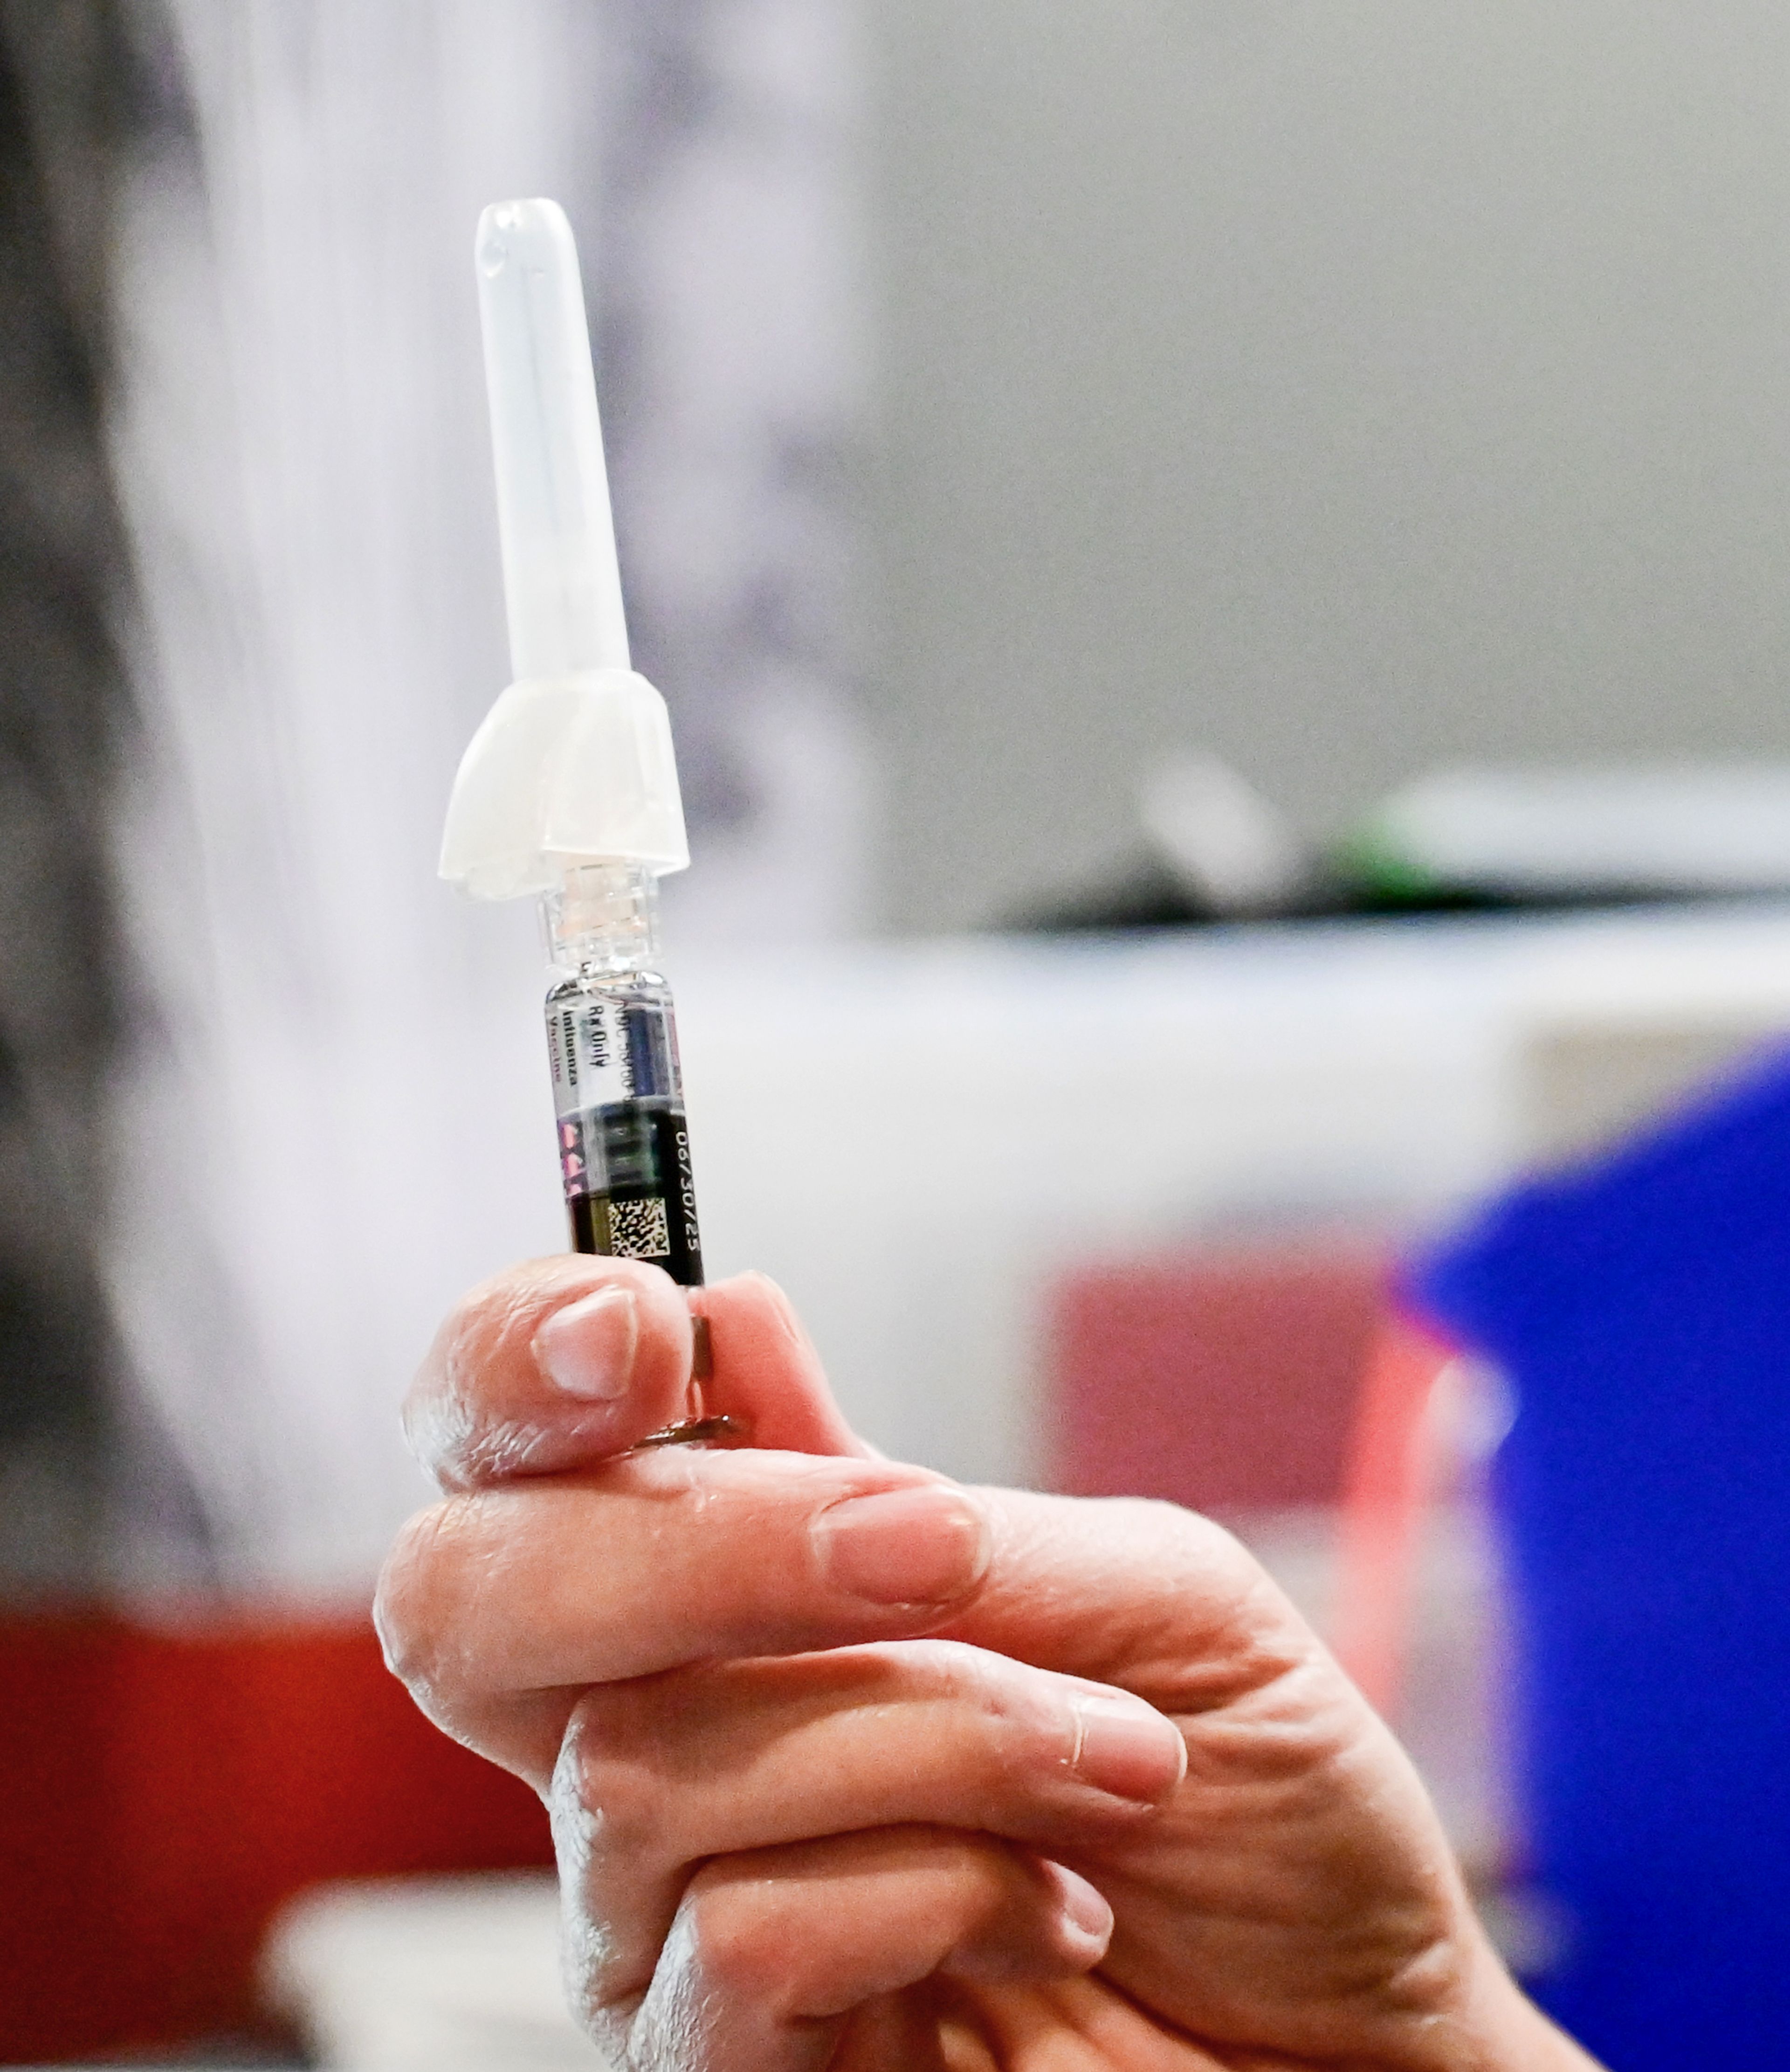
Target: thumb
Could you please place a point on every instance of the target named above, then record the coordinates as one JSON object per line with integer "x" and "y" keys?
{"x": 560, "y": 1363}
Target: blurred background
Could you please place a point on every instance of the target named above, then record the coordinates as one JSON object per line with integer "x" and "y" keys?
{"x": 1222, "y": 580}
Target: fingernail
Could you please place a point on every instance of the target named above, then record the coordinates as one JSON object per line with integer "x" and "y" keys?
{"x": 587, "y": 1348}
{"x": 1084, "y": 1906}
{"x": 904, "y": 1547}
{"x": 1127, "y": 1748}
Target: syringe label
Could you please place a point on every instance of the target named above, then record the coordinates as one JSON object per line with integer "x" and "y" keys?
{"x": 593, "y": 1061}
{"x": 636, "y": 1198}
{"x": 684, "y": 1184}
{"x": 639, "y": 1230}
{"x": 605, "y": 1050}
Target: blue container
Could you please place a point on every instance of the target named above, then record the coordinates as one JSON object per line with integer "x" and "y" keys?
{"x": 1641, "y": 1307}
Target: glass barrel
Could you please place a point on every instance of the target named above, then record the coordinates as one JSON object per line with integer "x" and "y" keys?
{"x": 624, "y": 1140}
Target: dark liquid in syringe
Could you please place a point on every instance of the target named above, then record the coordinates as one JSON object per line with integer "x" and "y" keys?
{"x": 648, "y": 1208}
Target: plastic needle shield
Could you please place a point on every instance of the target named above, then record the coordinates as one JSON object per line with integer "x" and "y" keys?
{"x": 574, "y": 762}
{"x": 562, "y": 588}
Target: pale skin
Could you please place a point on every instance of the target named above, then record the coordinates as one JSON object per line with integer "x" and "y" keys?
{"x": 854, "y": 1769}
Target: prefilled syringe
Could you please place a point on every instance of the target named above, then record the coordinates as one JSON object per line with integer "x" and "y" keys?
{"x": 569, "y": 789}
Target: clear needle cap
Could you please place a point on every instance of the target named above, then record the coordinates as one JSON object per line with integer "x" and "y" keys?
{"x": 561, "y": 581}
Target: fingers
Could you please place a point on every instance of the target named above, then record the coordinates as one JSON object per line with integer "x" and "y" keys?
{"x": 561, "y": 1362}
{"x": 565, "y": 1363}
{"x": 497, "y": 1606}
{"x": 492, "y": 1600}
{"x": 772, "y": 1952}
{"x": 647, "y": 1564}
{"x": 660, "y": 1775}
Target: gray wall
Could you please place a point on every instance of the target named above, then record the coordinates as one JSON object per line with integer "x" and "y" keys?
{"x": 1345, "y": 386}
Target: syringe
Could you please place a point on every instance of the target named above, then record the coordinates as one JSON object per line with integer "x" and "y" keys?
{"x": 569, "y": 789}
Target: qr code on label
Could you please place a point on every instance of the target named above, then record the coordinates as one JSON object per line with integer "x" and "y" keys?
{"x": 639, "y": 1230}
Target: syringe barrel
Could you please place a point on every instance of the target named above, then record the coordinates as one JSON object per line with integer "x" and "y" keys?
{"x": 624, "y": 1137}
{"x": 617, "y": 1084}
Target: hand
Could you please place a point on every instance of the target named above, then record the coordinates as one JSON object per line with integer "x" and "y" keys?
{"x": 852, "y": 1768}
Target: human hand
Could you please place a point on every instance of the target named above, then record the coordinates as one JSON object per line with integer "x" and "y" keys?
{"x": 852, "y": 1768}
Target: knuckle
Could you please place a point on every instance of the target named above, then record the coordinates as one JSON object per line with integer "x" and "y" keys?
{"x": 1016, "y": 1716}
{"x": 739, "y": 1942}
{"x": 952, "y": 1668}
{"x": 403, "y": 1602}
{"x": 421, "y": 1608}
{"x": 607, "y": 1777}
{"x": 1161, "y": 1531}
{"x": 1152, "y": 1518}
{"x": 438, "y": 1422}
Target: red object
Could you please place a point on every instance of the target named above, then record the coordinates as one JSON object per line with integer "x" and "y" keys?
{"x": 167, "y": 1788}
{"x": 1394, "y": 1466}
{"x": 1225, "y": 1380}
